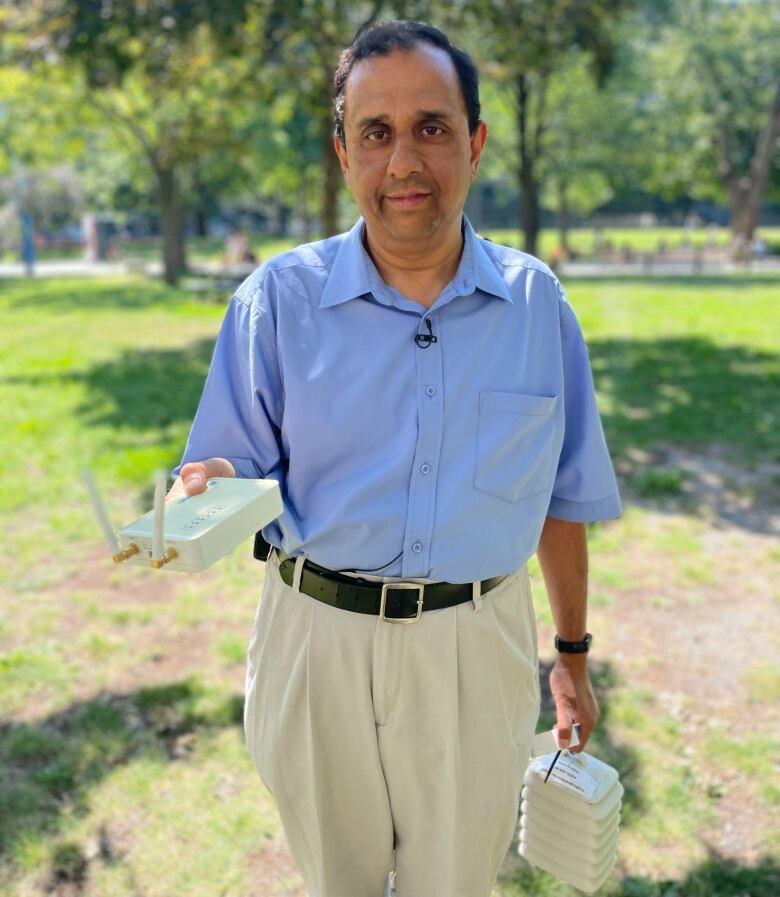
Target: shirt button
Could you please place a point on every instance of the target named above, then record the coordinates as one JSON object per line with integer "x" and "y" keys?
{"x": 425, "y": 468}
{"x": 417, "y": 547}
{"x": 430, "y": 390}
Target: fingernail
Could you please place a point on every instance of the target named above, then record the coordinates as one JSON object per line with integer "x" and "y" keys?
{"x": 195, "y": 479}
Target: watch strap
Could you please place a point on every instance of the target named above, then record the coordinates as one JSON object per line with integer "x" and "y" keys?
{"x": 580, "y": 647}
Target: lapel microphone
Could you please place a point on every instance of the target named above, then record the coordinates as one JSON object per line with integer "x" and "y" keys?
{"x": 424, "y": 340}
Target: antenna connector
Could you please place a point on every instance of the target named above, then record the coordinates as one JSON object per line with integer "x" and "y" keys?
{"x": 169, "y": 555}
{"x": 131, "y": 549}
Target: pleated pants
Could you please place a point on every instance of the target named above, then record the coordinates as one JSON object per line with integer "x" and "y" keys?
{"x": 391, "y": 746}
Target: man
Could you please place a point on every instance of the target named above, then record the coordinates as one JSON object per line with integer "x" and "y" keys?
{"x": 425, "y": 401}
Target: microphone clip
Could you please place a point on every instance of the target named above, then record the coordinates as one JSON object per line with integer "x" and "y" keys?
{"x": 424, "y": 340}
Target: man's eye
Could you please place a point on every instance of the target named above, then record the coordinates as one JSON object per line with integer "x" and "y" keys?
{"x": 430, "y": 130}
{"x": 375, "y": 135}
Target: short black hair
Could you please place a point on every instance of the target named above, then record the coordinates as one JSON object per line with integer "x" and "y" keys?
{"x": 402, "y": 34}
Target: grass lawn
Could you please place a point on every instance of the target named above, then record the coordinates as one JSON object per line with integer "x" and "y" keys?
{"x": 122, "y": 764}
{"x": 582, "y": 240}
{"x": 636, "y": 239}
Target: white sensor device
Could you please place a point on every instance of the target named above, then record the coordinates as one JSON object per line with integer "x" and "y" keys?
{"x": 190, "y": 533}
{"x": 570, "y": 814}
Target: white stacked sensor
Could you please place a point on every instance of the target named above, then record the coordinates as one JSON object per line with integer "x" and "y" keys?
{"x": 189, "y": 534}
{"x": 569, "y": 824}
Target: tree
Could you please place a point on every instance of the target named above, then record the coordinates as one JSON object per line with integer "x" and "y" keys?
{"x": 718, "y": 71}
{"x": 303, "y": 41}
{"x": 171, "y": 76}
{"x": 524, "y": 43}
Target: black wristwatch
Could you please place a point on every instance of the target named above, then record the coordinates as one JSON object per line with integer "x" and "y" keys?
{"x": 581, "y": 647}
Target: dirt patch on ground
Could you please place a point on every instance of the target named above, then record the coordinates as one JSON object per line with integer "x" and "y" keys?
{"x": 713, "y": 485}
{"x": 273, "y": 872}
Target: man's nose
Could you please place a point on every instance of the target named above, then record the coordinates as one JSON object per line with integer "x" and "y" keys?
{"x": 405, "y": 159}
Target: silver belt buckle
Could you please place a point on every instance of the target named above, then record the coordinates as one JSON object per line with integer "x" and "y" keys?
{"x": 401, "y": 585}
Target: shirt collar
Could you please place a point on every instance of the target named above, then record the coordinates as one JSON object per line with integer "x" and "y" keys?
{"x": 353, "y": 273}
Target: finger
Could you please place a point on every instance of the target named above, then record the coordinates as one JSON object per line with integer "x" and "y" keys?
{"x": 563, "y": 726}
{"x": 588, "y": 716}
{"x": 195, "y": 474}
{"x": 193, "y": 477}
{"x": 176, "y": 490}
{"x": 583, "y": 733}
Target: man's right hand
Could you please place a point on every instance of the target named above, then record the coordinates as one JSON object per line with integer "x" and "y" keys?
{"x": 193, "y": 476}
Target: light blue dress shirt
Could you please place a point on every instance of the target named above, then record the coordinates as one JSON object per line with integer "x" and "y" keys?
{"x": 437, "y": 462}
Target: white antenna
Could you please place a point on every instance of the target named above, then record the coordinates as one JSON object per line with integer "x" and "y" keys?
{"x": 160, "y": 557}
{"x": 159, "y": 517}
{"x": 100, "y": 512}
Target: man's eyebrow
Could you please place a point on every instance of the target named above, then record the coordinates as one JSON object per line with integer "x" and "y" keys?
{"x": 372, "y": 120}
{"x": 420, "y": 115}
{"x": 425, "y": 115}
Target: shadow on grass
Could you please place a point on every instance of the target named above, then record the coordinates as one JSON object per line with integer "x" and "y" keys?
{"x": 689, "y": 392}
{"x": 686, "y": 393}
{"x": 147, "y": 389}
{"x": 692, "y": 426}
{"x": 141, "y": 390}
{"x": 683, "y": 391}
{"x": 690, "y": 281}
{"x": 78, "y": 294}
{"x": 49, "y": 768}
{"x": 715, "y": 877}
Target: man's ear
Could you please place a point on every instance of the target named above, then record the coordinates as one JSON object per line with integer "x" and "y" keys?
{"x": 478, "y": 140}
{"x": 341, "y": 152}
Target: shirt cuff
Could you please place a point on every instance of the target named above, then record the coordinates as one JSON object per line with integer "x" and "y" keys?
{"x": 585, "y": 511}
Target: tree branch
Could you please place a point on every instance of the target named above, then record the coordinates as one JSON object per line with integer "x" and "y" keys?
{"x": 117, "y": 117}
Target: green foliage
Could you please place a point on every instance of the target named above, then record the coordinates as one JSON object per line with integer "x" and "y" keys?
{"x": 524, "y": 47}
{"x": 712, "y": 81}
{"x": 533, "y": 38}
{"x": 124, "y": 37}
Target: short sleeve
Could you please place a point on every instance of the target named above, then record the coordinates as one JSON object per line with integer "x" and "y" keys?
{"x": 239, "y": 413}
{"x": 585, "y": 487}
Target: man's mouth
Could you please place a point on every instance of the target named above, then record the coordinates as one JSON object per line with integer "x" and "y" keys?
{"x": 409, "y": 200}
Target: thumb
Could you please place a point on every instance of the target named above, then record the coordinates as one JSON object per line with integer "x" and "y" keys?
{"x": 195, "y": 474}
{"x": 563, "y": 726}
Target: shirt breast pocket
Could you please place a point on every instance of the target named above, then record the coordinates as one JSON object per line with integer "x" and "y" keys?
{"x": 516, "y": 437}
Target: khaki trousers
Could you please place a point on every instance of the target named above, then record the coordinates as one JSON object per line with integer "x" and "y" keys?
{"x": 394, "y": 746}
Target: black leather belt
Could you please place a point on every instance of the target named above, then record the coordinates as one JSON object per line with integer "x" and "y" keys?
{"x": 396, "y": 602}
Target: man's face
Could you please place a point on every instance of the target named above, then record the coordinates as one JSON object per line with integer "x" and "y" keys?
{"x": 409, "y": 159}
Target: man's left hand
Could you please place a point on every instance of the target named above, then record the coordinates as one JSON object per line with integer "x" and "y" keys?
{"x": 574, "y": 699}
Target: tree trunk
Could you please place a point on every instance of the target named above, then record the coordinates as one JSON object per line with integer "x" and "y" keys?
{"x": 282, "y": 219}
{"x": 331, "y": 177}
{"x": 743, "y": 217}
{"x": 303, "y": 206}
{"x": 529, "y": 193}
{"x": 745, "y": 192}
{"x": 201, "y": 222}
{"x": 563, "y": 217}
{"x": 172, "y": 225}
{"x": 201, "y": 215}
